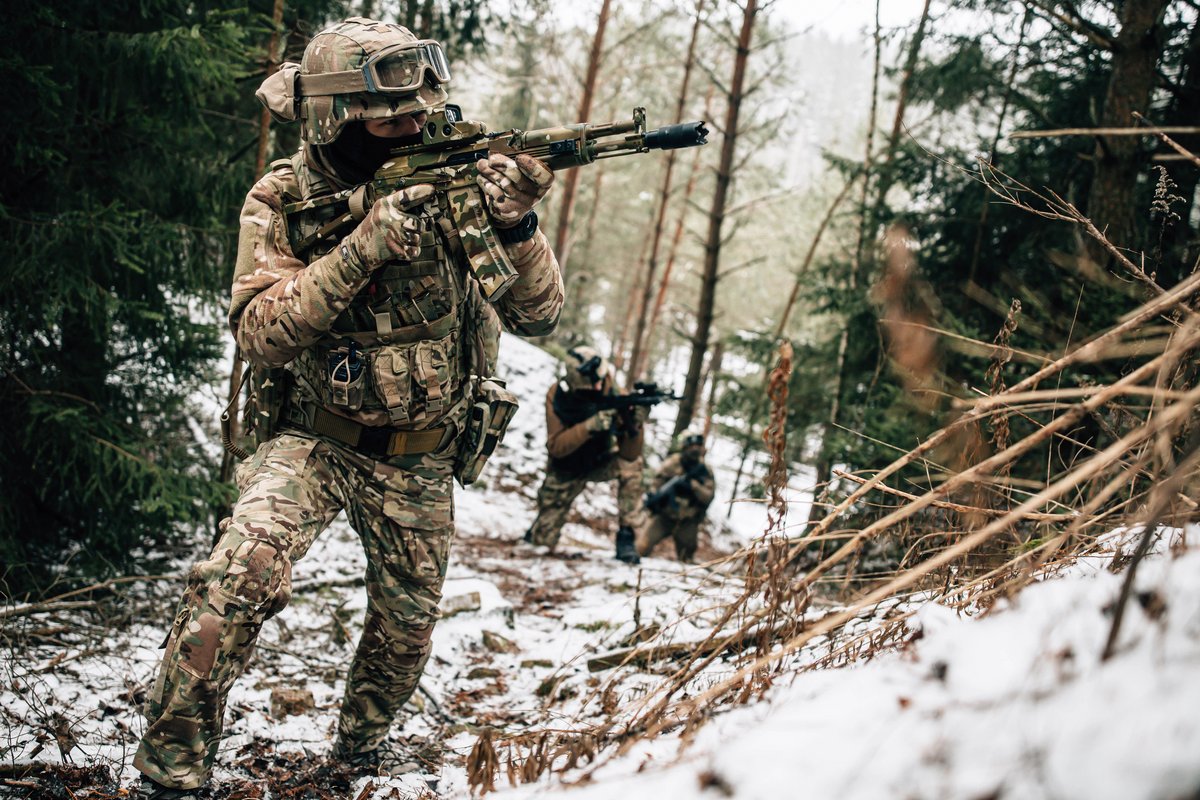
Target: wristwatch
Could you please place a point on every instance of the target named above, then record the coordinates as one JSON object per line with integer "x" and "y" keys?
{"x": 523, "y": 231}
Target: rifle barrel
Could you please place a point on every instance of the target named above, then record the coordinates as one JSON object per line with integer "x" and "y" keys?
{"x": 673, "y": 137}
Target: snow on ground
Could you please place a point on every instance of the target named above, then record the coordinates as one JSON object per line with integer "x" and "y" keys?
{"x": 1015, "y": 704}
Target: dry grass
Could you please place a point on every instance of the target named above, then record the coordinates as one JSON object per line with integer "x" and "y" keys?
{"x": 979, "y": 527}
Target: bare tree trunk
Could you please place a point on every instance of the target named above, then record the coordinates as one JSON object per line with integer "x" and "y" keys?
{"x": 408, "y": 14}
{"x": 824, "y": 465}
{"x": 714, "y": 372}
{"x": 426, "y": 27}
{"x": 864, "y": 219}
{"x": 637, "y": 360}
{"x": 260, "y": 165}
{"x": 993, "y": 154}
{"x": 1119, "y": 159}
{"x": 633, "y": 287}
{"x": 562, "y": 244}
{"x": 716, "y": 220}
{"x": 886, "y": 174}
{"x": 575, "y": 312}
{"x": 684, "y": 205}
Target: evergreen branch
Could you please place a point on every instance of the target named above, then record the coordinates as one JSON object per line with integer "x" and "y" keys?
{"x": 1076, "y": 22}
{"x": 28, "y": 390}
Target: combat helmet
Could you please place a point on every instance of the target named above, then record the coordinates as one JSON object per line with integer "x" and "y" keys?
{"x": 692, "y": 439}
{"x": 586, "y": 367}
{"x": 359, "y": 69}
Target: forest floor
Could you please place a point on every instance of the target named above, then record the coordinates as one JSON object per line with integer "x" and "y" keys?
{"x": 1015, "y": 703}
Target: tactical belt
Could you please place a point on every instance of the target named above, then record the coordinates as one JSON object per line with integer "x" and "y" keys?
{"x": 370, "y": 440}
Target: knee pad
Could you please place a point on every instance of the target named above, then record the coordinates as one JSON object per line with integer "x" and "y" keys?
{"x": 252, "y": 572}
{"x": 389, "y": 643}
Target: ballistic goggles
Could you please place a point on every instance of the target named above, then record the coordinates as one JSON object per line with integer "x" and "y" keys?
{"x": 398, "y": 69}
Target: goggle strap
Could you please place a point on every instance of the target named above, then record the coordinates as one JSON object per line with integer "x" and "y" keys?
{"x": 330, "y": 83}
{"x": 355, "y": 81}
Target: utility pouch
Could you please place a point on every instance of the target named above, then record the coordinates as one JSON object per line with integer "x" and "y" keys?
{"x": 493, "y": 408}
{"x": 264, "y": 406}
{"x": 268, "y": 391}
{"x": 347, "y": 375}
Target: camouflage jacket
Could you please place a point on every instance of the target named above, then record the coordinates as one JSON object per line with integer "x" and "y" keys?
{"x": 420, "y": 327}
{"x": 690, "y": 504}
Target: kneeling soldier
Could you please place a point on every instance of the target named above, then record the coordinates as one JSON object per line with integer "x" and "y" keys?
{"x": 586, "y": 446}
{"x": 683, "y": 488}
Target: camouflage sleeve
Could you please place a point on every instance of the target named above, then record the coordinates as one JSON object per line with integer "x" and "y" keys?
{"x": 279, "y": 306}
{"x": 531, "y": 307}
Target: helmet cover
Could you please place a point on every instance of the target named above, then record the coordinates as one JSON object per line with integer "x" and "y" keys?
{"x": 586, "y": 367}
{"x": 347, "y": 46}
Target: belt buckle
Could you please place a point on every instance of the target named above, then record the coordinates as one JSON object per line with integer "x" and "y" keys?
{"x": 397, "y": 446}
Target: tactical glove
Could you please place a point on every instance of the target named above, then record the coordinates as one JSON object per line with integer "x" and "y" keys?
{"x": 388, "y": 232}
{"x": 601, "y": 421}
{"x": 512, "y": 187}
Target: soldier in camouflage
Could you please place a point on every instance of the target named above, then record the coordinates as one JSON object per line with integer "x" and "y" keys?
{"x": 377, "y": 343}
{"x": 587, "y": 448}
{"x": 681, "y": 492}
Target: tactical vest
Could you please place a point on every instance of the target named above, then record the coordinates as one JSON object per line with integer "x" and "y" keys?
{"x": 403, "y": 352}
{"x": 599, "y": 448}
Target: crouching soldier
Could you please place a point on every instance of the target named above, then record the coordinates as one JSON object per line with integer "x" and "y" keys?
{"x": 587, "y": 445}
{"x": 683, "y": 489}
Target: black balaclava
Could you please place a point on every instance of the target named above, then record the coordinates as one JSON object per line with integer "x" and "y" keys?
{"x": 355, "y": 155}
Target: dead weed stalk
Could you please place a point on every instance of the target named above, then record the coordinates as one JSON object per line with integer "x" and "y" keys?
{"x": 956, "y": 545}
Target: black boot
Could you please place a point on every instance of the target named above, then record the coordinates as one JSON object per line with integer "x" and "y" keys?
{"x": 150, "y": 790}
{"x": 387, "y": 759}
{"x": 626, "y": 551}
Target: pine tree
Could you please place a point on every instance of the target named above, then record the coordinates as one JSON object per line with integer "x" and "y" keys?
{"x": 975, "y": 254}
{"x": 123, "y": 167}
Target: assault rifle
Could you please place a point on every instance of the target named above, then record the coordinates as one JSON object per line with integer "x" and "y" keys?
{"x": 446, "y": 158}
{"x": 668, "y": 495}
{"x": 575, "y": 406}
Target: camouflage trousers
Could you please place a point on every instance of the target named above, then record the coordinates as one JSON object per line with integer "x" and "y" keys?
{"x": 684, "y": 532}
{"x": 559, "y": 491}
{"x": 290, "y": 490}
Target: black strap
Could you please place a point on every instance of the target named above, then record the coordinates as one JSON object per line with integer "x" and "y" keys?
{"x": 523, "y": 231}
